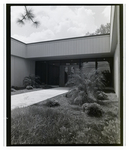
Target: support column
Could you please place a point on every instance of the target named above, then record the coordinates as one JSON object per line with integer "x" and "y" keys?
{"x": 96, "y": 64}
{"x": 80, "y": 65}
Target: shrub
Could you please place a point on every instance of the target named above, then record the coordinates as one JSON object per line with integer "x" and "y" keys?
{"x": 70, "y": 93}
{"x": 17, "y": 88}
{"x": 45, "y": 86}
{"x": 13, "y": 90}
{"x": 78, "y": 100}
{"x": 87, "y": 83}
{"x": 31, "y": 80}
{"x": 101, "y": 95}
{"x": 108, "y": 77}
{"x": 84, "y": 97}
{"x": 84, "y": 107}
{"x": 52, "y": 103}
{"x": 77, "y": 97}
{"x": 29, "y": 87}
{"x": 93, "y": 109}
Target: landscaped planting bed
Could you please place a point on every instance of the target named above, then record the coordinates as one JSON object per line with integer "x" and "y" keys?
{"x": 56, "y": 121}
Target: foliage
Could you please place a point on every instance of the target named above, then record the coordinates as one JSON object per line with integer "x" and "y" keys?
{"x": 52, "y": 103}
{"x": 18, "y": 88}
{"x": 103, "y": 29}
{"x": 107, "y": 76}
{"x": 76, "y": 97}
{"x": 101, "y": 95}
{"x": 45, "y": 86}
{"x": 105, "y": 134}
{"x": 66, "y": 124}
{"x": 31, "y": 80}
{"x": 78, "y": 100}
{"x": 42, "y": 126}
{"x": 86, "y": 84}
{"x": 27, "y": 16}
{"x": 13, "y": 90}
{"x": 111, "y": 132}
{"x": 29, "y": 87}
{"x": 93, "y": 109}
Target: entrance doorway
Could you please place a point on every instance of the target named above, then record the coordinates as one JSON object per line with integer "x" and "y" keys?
{"x": 58, "y": 72}
{"x": 53, "y": 74}
{"x": 48, "y": 72}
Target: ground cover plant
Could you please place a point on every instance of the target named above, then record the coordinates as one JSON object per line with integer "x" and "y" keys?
{"x": 64, "y": 124}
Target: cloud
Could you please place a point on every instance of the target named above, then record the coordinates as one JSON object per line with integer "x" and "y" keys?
{"x": 57, "y": 22}
{"x": 36, "y": 36}
{"x": 106, "y": 13}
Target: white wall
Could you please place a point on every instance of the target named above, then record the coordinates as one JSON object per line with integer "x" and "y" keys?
{"x": 117, "y": 57}
{"x": 20, "y": 68}
{"x": 69, "y": 47}
{"x": 18, "y": 48}
{"x": 117, "y": 71}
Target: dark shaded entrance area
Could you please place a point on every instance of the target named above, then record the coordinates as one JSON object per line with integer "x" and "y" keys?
{"x": 48, "y": 72}
{"x": 53, "y": 74}
{"x": 57, "y": 72}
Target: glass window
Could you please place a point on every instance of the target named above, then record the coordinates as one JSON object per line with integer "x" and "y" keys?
{"x": 89, "y": 66}
{"x": 103, "y": 65}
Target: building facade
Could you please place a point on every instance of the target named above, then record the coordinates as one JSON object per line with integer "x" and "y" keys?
{"x": 54, "y": 61}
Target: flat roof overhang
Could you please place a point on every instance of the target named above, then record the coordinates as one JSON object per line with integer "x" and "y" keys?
{"x": 101, "y": 55}
{"x": 80, "y": 47}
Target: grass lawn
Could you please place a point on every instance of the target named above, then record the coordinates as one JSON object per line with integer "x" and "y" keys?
{"x": 64, "y": 124}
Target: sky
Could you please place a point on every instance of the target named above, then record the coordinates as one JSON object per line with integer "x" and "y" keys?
{"x": 58, "y": 22}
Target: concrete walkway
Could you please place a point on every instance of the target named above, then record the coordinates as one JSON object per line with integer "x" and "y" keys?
{"x": 26, "y": 99}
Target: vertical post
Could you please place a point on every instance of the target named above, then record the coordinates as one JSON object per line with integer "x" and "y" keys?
{"x": 80, "y": 64}
{"x": 96, "y": 64}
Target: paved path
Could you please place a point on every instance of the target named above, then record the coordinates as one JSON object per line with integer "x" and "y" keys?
{"x": 26, "y": 99}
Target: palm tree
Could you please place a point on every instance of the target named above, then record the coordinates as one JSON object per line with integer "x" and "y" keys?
{"x": 28, "y": 15}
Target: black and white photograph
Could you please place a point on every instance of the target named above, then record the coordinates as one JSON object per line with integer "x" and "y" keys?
{"x": 64, "y": 74}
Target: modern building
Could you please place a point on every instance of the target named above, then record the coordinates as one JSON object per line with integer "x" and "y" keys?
{"x": 52, "y": 60}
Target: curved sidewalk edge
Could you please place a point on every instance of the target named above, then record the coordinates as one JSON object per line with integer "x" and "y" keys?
{"x": 26, "y": 99}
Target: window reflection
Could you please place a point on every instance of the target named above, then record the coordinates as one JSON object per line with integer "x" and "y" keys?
{"x": 103, "y": 65}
